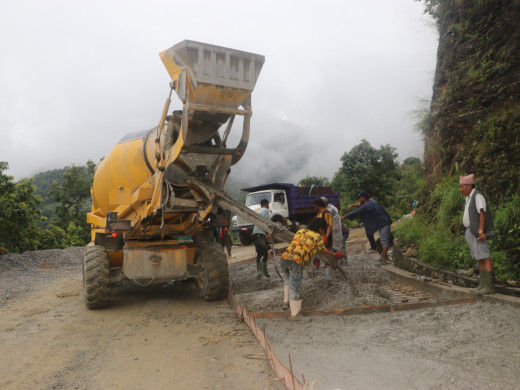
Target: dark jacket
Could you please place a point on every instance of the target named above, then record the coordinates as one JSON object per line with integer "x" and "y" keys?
{"x": 373, "y": 216}
{"x": 474, "y": 216}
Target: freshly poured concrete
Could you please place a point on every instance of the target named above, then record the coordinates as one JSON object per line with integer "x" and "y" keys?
{"x": 460, "y": 346}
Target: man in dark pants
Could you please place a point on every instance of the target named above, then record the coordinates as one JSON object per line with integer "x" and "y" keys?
{"x": 371, "y": 239}
{"x": 261, "y": 244}
{"x": 224, "y": 239}
{"x": 375, "y": 218}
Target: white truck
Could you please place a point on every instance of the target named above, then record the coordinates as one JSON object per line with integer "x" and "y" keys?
{"x": 289, "y": 205}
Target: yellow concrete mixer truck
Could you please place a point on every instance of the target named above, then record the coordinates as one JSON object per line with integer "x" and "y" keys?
{"x": 157, "y": 197}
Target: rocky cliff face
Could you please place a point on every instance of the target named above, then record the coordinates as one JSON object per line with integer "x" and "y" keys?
{"x": 474, "y": 123}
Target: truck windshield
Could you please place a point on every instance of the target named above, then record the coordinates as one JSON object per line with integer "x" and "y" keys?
{"x": 256, "y": 198}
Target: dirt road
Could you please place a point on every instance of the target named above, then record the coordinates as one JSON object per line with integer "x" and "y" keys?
{"x": 151, "y": 338}
{"x": 165, "y": 337}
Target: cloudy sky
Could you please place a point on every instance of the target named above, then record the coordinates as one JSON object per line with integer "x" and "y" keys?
{"x": 76, "y": 76}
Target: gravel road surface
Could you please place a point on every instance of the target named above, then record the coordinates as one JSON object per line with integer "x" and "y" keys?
{"x": 164, "y": 337}
{"x": 159, "y": 337}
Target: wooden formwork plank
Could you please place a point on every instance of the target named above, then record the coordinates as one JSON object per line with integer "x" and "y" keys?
{"x": 368, "y": 309}
{"x": 287, "y": 378}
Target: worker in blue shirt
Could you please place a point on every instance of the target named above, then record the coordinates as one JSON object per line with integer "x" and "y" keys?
{"x": 375, "y": 218}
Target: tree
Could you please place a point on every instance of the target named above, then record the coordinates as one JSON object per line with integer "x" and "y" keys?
{"x": 19, "y": 213}
{"x": 316, "y": 181}
{"x": 6, "y": 182}
{"x": 43, "y": 182}
{"x": 53, "y": 237}
{"x": 408, "y": 190}
{"x": 367, "y": 168}
{"x": 72, "y": 197}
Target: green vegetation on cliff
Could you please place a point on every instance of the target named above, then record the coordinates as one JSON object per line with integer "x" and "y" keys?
{"x": 473, "y": 127}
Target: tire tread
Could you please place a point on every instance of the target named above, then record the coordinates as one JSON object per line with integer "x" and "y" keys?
{"x": 217, "y": 270}
{"x": 96, "y": 274}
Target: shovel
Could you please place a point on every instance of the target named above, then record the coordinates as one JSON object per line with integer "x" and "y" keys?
{"x": 275, "y": 259}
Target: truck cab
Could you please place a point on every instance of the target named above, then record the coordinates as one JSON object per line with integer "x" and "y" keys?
{"x": 278, "y": 212}
{"x": 289, "y": 205}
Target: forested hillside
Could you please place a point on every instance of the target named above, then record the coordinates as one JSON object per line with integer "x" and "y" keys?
{"x": 46, "y": 211}
{"x": 474, "y": 124}
{"x": 42, "y": 185}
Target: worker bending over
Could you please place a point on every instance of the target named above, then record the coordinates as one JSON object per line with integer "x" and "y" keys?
{"x": 371, "y": 239}
{"x": 375, "y": 218}
{"x": 326, "y": 216}
{"x": 305, "y": 244}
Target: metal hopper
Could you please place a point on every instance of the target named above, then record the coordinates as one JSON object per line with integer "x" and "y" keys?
{"x": 214, "y": 84}
{"x": 210, "y": 74}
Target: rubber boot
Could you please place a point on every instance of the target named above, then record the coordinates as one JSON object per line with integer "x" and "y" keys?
{"x": 488, "y": 282}
{"x": 480, "y": 285}
{"x": 259, "y": 274}
{"x": 263, "y": 268}
{"x": 285, "y": 305}
{"x": 296, "y": 308}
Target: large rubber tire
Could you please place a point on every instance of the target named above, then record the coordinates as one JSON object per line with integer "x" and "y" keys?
{"x": 213, "y": 282}
{"x": 96, "y": 277}
{"x": 245, "y": 238}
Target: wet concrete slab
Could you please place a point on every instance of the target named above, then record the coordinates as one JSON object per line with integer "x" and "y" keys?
{"x": 401, "y": 332}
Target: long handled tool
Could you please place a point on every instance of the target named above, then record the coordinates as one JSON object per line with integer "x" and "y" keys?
{"x": 271, "y": 244}
{"x": 335, "y": 264}
{"x": 276, "y": 230}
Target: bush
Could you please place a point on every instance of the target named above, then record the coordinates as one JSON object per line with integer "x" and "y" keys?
{"x": 76, "y": 235}
{"x": 437, "y": 246}
{"x": 52, "y": 237}
{"x": 411, "y": 231}
{"x": 506, "y": 246}
{"x": 504, "y": 268}
{"x": 439, "y": 235}
{"x": 443, "y": 249}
